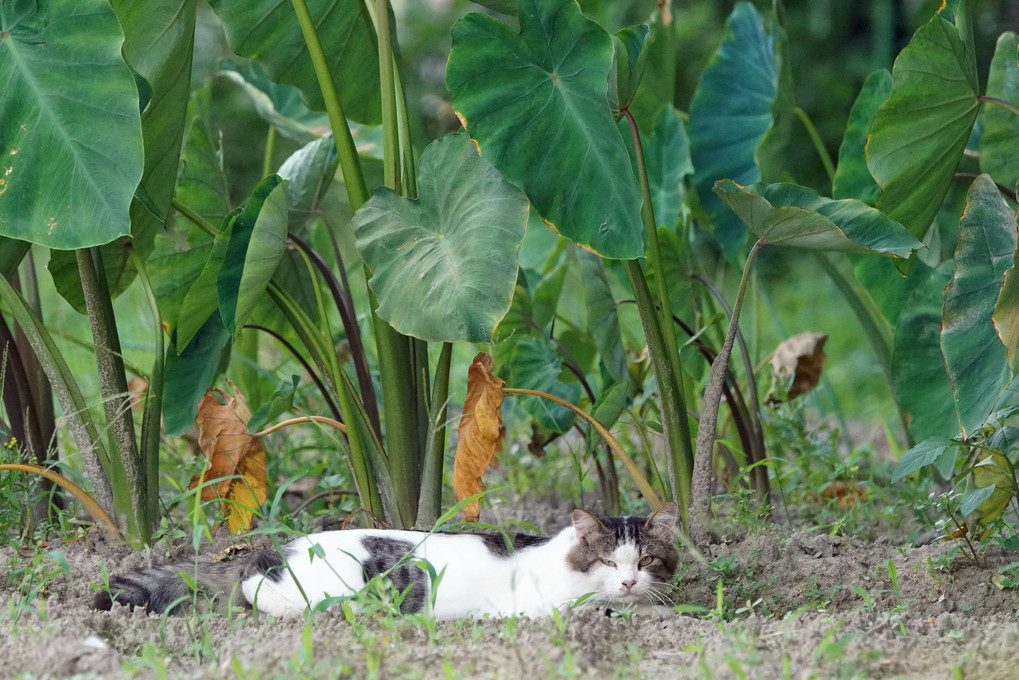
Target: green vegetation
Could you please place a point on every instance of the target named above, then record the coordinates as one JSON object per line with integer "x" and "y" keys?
{"x": 334, "y": 206}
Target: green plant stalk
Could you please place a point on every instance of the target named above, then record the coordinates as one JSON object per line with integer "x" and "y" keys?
{"x": 126, "y": 470}
{"x": 350, "y": 166}
{"x": 270, "y": 148}
{"x": 430, "y": 502}
{"x": 43, "y": 417}
{"x": 80, "y": 423}
{"x": 829, "y": 166}
{"x": 673, "y": 407}
{"x": 668, "y": 368}
{"x": 387, "y": 75}
{"x": 153, "y": 394}
{"x": 325, "y": 359}
{"x": 194, "y": 218}
{"x": 700, "y": 501}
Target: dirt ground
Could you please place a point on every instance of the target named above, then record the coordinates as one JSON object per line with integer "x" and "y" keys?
{"x": 802, "y": 605}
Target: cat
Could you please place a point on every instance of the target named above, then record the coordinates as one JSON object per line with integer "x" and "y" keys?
{"x": 621, "y": 562}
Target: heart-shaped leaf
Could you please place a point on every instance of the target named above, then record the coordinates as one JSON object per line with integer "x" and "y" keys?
{"x": 444, "y": 265}
{"x": 998, "y": 145}
{"x": 267, "y": 30}
{"x": 536, "y": 104}
{"x": 852, "y": 178}
{"x": 977, "y": 364}
{"x": 918, "y": 136}
{"x": 70, "y": 134}
{"x": 730, "y": 114}
{"x": 794, "y": 216}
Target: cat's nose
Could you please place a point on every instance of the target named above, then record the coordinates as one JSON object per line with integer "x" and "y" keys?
{"x": 629, "y": 584}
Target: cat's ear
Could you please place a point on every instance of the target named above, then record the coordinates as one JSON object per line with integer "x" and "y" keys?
{"x": 663, "y": 520}
{"x": 587, "y": 524}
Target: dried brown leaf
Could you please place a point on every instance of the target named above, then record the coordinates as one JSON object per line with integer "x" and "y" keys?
{"x": 232, "y": 452}
{"x": 480, "y": 432}
{"x": 797, "y": 363}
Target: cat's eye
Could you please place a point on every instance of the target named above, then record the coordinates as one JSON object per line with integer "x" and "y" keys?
{"x": 646, "y": 561}
{"x": 608, "y": 563}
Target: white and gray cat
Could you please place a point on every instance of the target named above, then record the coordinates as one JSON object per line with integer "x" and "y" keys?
{"x": 620, "y": 562}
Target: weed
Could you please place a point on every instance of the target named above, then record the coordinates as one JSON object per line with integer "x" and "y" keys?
{"x": 29, "y": 583}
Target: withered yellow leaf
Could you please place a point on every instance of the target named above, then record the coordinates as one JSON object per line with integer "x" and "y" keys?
{"x": 797, "y": 363}
{"x": 236, "y": 459}
{"x": 480, "y": 432}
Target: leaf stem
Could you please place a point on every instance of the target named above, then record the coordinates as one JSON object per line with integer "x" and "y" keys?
{"x": 302, "y": 419}
{"x": 194, "y": 218}
{"x": 645, "y": 488}
{"x": 822, "y": 152}
{"x": 1000, "y": 102}
{"x": 89, "y": 503}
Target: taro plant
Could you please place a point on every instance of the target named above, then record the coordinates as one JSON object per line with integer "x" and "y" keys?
{"x": 454, "y": 244}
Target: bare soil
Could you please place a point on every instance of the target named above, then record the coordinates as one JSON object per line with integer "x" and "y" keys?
{"x": 797, "y": 605}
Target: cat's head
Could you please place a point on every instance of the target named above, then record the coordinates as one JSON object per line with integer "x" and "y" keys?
{"x": 626, "y": 559}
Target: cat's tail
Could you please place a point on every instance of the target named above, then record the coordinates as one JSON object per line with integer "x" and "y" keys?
{"x": 165, "y": 588}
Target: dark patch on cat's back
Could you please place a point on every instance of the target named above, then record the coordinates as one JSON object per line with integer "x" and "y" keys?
{"x": 269, "y": 563}
{"x": 500, "y": 545}
{"x": 386, "y": 558}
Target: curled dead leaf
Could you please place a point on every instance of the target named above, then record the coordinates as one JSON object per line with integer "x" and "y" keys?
{"x": 236, "y": 458}
{"x": 797, "y": 364}
{"x": 480, "y": 432}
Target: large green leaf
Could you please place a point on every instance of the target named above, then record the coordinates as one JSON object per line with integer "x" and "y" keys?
{"x": 159, "y": 37}
{"x": 918, "y": 136}
{"x": 918, "y": 366}
{"x": 974, "y": 356}
{"x": 667, "y": 157}
{"x": 202, "y": 297}
{"x": 306, "y": 169}
{"x": 999, "y": 145}
{"x": 730, "y": 114}
{"x": 536, "y": 104}
{"x": 444, "y": 265}
{"x": 70, "y": 135}
{"x": 852, "y": 178}
{"x": 267, "y": 30}
{"x": 257, "y": 242}
{"x": 201, "y": 182}
{"x": 12, "y": 252}
{"x": 794, "y": 216}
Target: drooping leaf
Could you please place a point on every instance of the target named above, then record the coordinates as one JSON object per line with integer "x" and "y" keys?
{"x": 994, "y": 471}
{"x": 480, "y": 433}
{"x": 257, "y": 241}
{"x": 202, "y": 297}
{"x": 730, "y": 114}
{"x": 976, "y": 360}
{"x": 923, "y": 454}
{"x": 918, "y": 366}
{"x": 232, "y": 452}
{"x": 998, "y": 145}
{"x": 917, "y": 137}
{"x": 444, "y": 265}
{"x": 534, "y": 364}
{"x": 797, "y": 363}
{"x": 603, "y": 321}
{"x": 629, "y": 57}
{"x": 190, "y": 372}
{"x": 70, "y": 134}
{"x": 796, "y": 216}
{"x": 305, "y": 170}
{"x": 607, "y": 409}
{"x": 1006, "y": 312}
{"x": 278, "y": 105}
{"x": 667, "y": 156}
{"x": 267, "y": 30}
{"x": 852, "y": 178}
{"x": 535, "y": 102}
